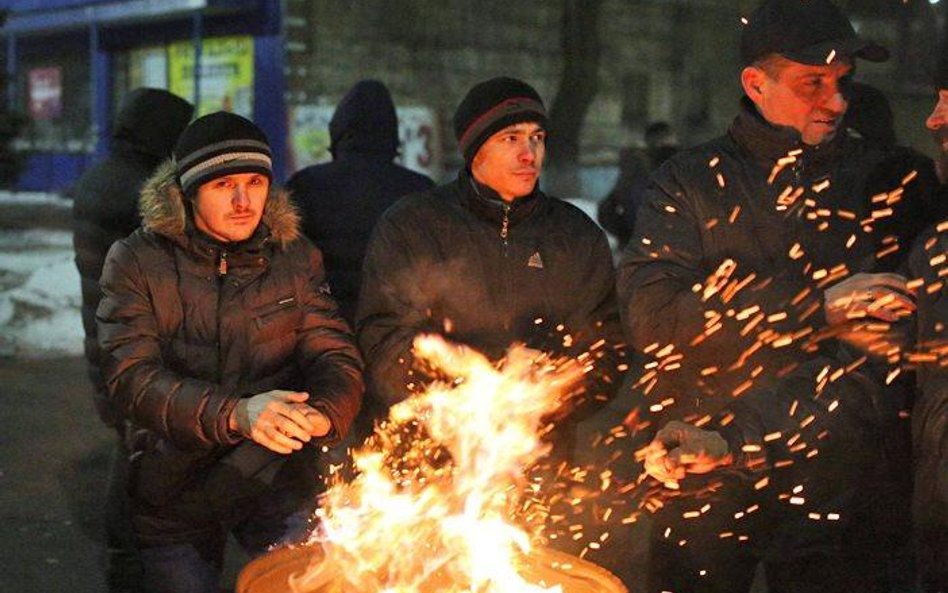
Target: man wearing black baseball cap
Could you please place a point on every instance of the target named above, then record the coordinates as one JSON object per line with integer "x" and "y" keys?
{"x": 758, "y": 256}
{"x": 488, "y": 259}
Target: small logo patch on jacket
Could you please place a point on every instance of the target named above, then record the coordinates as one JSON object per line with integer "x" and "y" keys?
{"x": 535, "y": 261}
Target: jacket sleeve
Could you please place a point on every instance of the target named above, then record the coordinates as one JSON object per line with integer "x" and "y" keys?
{"x": 600, "y": 339}
{"x": 670, "y": 294}
{"x": 391, "y": 311}
{"x": 327, "y": 353}
{"x": 189, "y": 413}
{"x": 930, "y": 412}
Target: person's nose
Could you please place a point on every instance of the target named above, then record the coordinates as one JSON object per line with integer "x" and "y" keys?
{"x": 938, "y": 117}
{"x": 241, "y": 200}
{"x": 836, "y": 102}
{"x": 528, "y": 152}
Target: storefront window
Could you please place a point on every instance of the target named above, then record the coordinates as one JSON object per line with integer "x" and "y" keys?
{"x": 53, "y": 91}
{"x": 226, "y": 74}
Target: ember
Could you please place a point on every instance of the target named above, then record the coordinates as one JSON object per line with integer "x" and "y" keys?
{"x": 441, "y": 501}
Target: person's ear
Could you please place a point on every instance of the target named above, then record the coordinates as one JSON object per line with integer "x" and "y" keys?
{"x": 752, "y": 79}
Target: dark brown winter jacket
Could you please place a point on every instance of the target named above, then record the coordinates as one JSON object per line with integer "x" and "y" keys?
{"x": 186, "y": 337}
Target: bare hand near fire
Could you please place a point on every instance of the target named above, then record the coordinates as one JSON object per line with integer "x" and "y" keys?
{"x": 279, "y": 420}
{"x": 680, "y": 448}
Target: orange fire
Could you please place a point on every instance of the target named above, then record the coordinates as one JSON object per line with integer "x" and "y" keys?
{"x": 437, "y": 503}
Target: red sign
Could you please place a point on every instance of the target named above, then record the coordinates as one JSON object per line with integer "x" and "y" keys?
{"x": 46, "y": 93}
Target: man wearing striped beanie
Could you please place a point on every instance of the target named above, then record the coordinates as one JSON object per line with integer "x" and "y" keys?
{"x": 222, "y": 347}
{"x": 489, "y": 259}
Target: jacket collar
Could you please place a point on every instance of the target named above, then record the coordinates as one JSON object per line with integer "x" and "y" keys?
{"x": 768, "y": 143}
{"x": 163, "y": 209}
{"x": 487, "y": 203}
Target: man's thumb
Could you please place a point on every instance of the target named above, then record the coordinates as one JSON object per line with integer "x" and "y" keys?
{"x": 296, "y": 396}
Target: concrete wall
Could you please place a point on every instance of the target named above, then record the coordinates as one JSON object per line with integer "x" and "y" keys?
{"x": 661, "y": 59}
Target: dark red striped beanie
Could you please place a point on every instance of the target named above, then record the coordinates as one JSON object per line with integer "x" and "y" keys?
{"x": 491, "y": 106}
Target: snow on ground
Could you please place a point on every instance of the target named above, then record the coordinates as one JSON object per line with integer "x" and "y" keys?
{"x": 39, "y": 286}
{"x": 39, "y": 295}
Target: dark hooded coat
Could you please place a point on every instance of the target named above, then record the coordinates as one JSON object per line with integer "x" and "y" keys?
{"x": 341, "y": 201}
{"x": 183, "y": 342}
{"x": 105, "y": 201}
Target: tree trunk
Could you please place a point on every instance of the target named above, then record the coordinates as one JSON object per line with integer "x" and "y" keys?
{"x": 578, "y": 87}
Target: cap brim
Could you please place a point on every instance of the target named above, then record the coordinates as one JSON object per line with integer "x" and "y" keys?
{"x": 828, "y": 52}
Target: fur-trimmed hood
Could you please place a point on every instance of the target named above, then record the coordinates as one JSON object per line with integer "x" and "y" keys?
{"x": 163, "y": 211}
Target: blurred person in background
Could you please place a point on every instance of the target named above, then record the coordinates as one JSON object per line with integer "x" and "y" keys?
{"x": 105, "y": 209}
{"x": 341, "y": 201}
{"x": 616, "y": 212}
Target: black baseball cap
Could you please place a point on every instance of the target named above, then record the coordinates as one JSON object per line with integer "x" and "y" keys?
{"x": 813, "y": 32}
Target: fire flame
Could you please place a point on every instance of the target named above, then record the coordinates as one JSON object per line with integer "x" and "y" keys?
{"x": 440, "y": 487}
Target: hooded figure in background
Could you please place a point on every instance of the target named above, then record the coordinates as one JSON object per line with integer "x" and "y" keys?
{"x": 341, "y": 201}
{"x": 105, "y": 200}
{"x": 105, "y": 209}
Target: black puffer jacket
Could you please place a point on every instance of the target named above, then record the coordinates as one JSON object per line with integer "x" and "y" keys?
{"x": 930, "y": 414}
{"x": 728, "y": 263}
{"x": 459, "y": 261}
{"x": 714, "y": 210}
{"x": 183, "y": 342}
{"x": 341, "y": 201}
{"x": 105, "y": 201}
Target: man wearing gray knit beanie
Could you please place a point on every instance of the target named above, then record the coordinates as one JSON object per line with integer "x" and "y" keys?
{"x": 223, "y": 348}
{"x": 488, "y": 259}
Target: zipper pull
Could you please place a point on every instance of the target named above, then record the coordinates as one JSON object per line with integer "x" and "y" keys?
{"x": 222, "y": 264}
{"x": 505, "y": 224}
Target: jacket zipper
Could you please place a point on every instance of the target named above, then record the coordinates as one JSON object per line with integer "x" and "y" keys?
{"x": 505, "y": 226}
{"x": 504, "y": 234}
{"x": 221, "y": 285}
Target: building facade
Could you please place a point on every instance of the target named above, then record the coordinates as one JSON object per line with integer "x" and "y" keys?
{"x": 285, "y": 64}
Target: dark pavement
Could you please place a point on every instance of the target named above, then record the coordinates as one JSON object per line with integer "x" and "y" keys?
{"x": 54, "y": 457}
{"x": 53, "y": 462}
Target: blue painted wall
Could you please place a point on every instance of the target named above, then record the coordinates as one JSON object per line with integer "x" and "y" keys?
{"x": 42, "y": 24}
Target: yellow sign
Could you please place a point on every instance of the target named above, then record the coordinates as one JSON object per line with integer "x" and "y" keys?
{"x": 226, "y": 74}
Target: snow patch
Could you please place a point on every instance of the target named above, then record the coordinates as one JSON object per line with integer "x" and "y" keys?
{"x": 40, "y": 299}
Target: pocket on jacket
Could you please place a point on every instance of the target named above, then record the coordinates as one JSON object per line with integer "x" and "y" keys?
{"x": 161, "y": 473}
{"x": 275, "y": 319}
